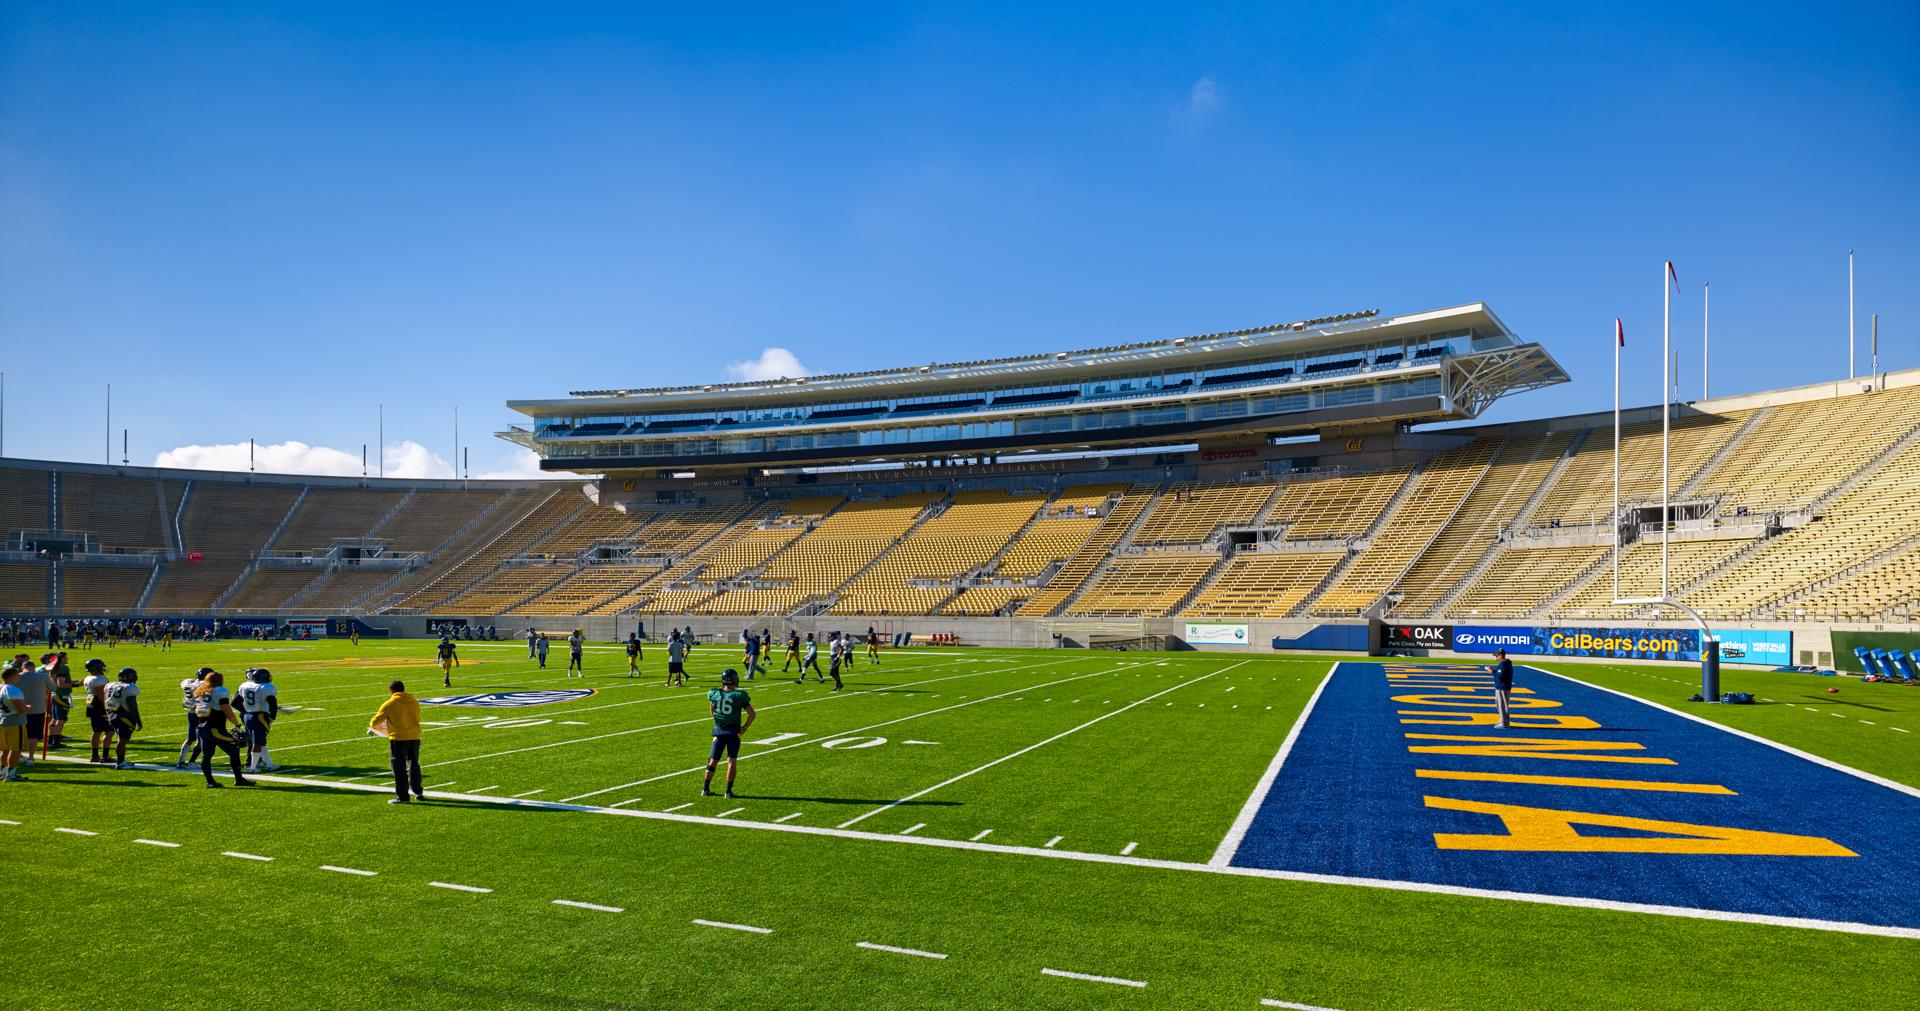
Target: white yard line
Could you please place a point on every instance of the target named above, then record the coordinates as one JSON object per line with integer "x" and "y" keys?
{"x": 1115, "y": 980}
{"x": 530, "y": 793}
{"x": 1051, "y": 843}
{"x": 246, "y": 856}
{"x": 676, "y": 807}
{"x": 811, "y": 741}
{"x": 460, "y": 888}
{"x": 705, "y": 719}
{"x": 788, "y": 818}
{"x": 915, "y": 827}
{"x": 156, "y": 842}
{"x": 855, "y": 820}
{"x": 348, "y": 870}
{"x": 1127, "y": 850}
{"x": 736, "y": 810}
{"x": 734, "y": 926}
{"x": 75, "y": 831}
{"x": 637, "y": 800}
{"x": 484, "y": 789}
{"x": 870, "y": 946}
{"x": 1270, "y": 1002}
{"x": 982, "y": 834}
{"x": 588, "y": 905}
{"x": 1223, "y": 854}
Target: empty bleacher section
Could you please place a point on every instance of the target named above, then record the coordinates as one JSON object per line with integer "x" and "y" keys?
{"x": 226, "y": 523}
{"x": 1047, "y": 541}
{"x": 270, "y": 589}
{"x": 23, "y": 588}
{"x": 971, "y": 530}
{"x": 102, "y": 589}
{"x": 1640, "y": 575}
{"x": 843, "y": 543}
{"x": 429, "y": 518}
{"x": 126, "y": 512}
{"x": 1521, "y": 578}
{"x": 1335, "y": 505}
{"x": 1583, "y": 496}
{"x": 1189, "y": 515}
{"x": 1142, "y": 585}
{"x": 461, "y": 586}
{"x": 24, "y": 500}
{"x": 1516, "y": 474}
{"x": 1082, "y": 563}
{"x": 340, "y": 590}
{"x": 1430, "y": 504}
{"x": 329, "y": 514}
{"x": 1263, "y": 584}
{"x": 1791, "y": 458}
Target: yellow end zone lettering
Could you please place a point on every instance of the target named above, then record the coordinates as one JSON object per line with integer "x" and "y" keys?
{"x": 1539, "y": 829}
{"x": 1543, "y": 721}
{"x": 1532, "y": 747}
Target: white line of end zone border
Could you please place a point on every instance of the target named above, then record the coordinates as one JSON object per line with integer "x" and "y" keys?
{"x": 1243, "y": 821}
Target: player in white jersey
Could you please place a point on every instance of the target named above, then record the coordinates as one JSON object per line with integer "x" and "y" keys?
{"x": 94, "y": 684}
{"x": 122, "y": 701}
{"x": 259, "y": 707}
{"x": 192, "y": 743}
{"x": 213, "y": 704}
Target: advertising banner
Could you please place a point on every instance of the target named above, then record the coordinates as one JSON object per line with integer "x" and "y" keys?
{"x": 1400, "y": 635}
{"x": 1761, "y": 647}
{"x": 1616, "y": 643}
{"x": 1205, "y": 634}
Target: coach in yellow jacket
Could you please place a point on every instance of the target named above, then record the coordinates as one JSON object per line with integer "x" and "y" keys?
{"x": 399, "y": 722}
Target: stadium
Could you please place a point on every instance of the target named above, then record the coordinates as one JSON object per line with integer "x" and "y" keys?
{"x": 1109, "y": 508}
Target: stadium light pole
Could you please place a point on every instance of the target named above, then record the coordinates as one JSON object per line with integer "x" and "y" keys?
{"x": 1706, "y": 314}
{"x": 109, "y": 424}
{"x": 1850, "y": 371}
{"x": 1874, "y": 336}
{"x": 383, "y": 440}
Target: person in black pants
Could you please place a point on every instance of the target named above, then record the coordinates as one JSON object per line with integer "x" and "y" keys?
{"x": 1502, "y": 683}
{"x": 399, "y": 722}
{"x": 213, "y": 704}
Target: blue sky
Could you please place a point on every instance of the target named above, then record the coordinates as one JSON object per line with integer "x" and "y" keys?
{"x": 266, "y": 220}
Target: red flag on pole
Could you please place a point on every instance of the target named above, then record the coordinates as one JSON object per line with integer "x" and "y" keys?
{"x": 1673, "y": 276}
{"x": 1620, "y": 332}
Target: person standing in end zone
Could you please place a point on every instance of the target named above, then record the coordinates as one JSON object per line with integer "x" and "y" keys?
{"x": 729, "y": 705}
{"x": 399, "y": 722}
{"x": 575, "y": 643}
{"x": 1502, "y": 671}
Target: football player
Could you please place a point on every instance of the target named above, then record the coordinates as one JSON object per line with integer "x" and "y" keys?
{"x": 122, "y": 700}
{"x": 633, "y": 654}
{"x": 259, "y": 707}
{"x": 214, "y": 705}
{"x": 575, "y": 644}
{"x": 793, "y": 651}
{"x": 95, "y": 684}
{"x": 732, "y": 714}
{"x": 192, "y": 743}
{"x": 676, "y": 660}
{"x": 449, "y": 658}
{"x": 838, "y": 652}
{"x": 873, "y": 645}
{"x": 812, "y": 660}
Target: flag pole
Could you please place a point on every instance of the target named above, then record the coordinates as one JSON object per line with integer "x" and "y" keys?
{"x": 1666, "y": 419}
{"x": 1850, "y": 371}
{"x": 1619, "y": 341}
{"x": 1706, "y": 313}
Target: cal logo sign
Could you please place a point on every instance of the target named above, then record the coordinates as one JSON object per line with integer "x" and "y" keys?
{"x": 509, "y": 700}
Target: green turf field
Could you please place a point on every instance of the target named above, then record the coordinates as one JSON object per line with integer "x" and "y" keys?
{"x": 969, "y": 804}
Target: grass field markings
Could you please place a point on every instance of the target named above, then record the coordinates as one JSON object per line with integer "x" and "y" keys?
{"x": 1898, "y": 730}
{"x": 75, "y": 831}
{"x": 682, "y": 723}
{"x": 575, "y": 723}
{"x": 982, "y": 834}
{"x": 1870, "y": 723}
{"x": 1051, "y": 843}
{"x": 915, "y": 827}
{"x": 870, "y": 946}
{"x": 460, "y": 888}
{"x": 1230, "y": 844}
{"x": 676, "y": 807}
{"x": 919, "y": 742}
{"x": 157, "y": 842}
{"x": 734, "y": 926}
{"x": 484, "y": 789}
{"x": 1127, "y": 850}
{"x": 4, "y": 821}
{"x": 787, "y": 818}
{"x": 856, "y": 819}
{"x": 736, "y": 810}
{"x": 1270, "y": 1002}
{"x": 802, "y": 744}
{"x": 349, "y": 870}
{"x": 588, "y": 905}
{"x": 530, "y": 793}
{"x": 1090, "y": 978}
{"x": 1796, "y": 752}
{"x": 246, "y": 856}
{"x": 634, "y": 800}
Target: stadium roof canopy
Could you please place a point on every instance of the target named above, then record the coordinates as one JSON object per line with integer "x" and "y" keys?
{"x": 1288, "y": 378}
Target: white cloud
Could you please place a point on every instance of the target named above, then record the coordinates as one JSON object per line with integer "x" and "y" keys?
{"x": 524, "y": 465}
{"x": 1203, "y": 97}
{"x": 404, "y": 459}
{"x": 773, "y": 363}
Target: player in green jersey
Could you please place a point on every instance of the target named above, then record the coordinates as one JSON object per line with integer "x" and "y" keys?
{"x": 732, "y": 715}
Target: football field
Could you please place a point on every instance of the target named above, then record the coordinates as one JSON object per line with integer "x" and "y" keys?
{"x": 994, "y": 828}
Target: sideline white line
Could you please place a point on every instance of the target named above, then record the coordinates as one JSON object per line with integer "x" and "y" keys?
{"x": 855, "y": 820}
{"x": 246, "y": 856}
{"x": 870, "y": 946}
{"x": 734, "y": 926}
{"x": 815, "y": 741}
{"x": 156, "y": 842}
{"x": 588, "y": 905}
{"x": 1230, "y": 844}
{"x": 348, "y": 870}
{"x": 1385, "y": 884}
{"x": 1115, "y": 980}
{"x": 460, "y": 888}
{"x": 1795, "y": 752}
{"x": 75, "y": 831}
{"x": 1270, "y": 1002}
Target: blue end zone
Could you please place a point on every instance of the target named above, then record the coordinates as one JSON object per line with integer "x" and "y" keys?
{"x": 1673, "y": 812}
